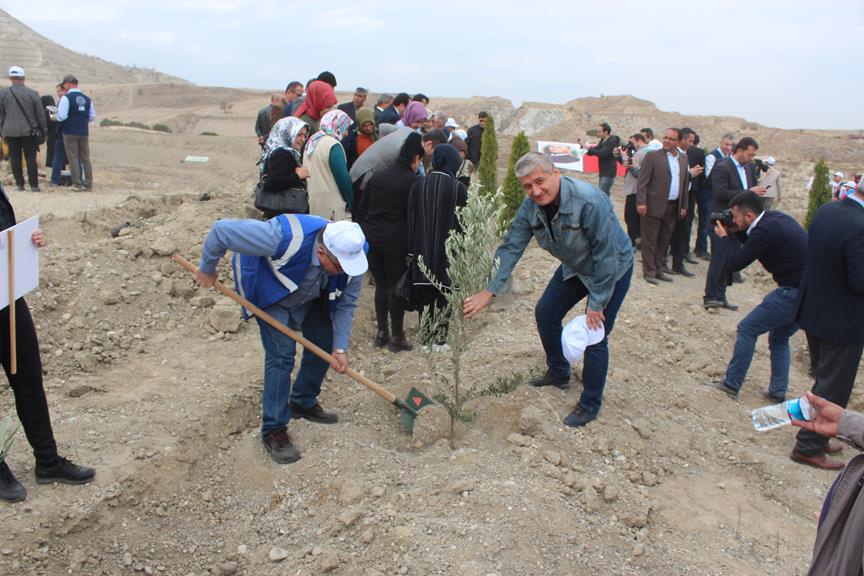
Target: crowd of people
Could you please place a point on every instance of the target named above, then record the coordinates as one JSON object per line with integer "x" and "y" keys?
{"x": 28, "y": 121}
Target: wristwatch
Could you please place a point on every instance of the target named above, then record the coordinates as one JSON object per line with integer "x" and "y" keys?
{"x": 340, "y": 351}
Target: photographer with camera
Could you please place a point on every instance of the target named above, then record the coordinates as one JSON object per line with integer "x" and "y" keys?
{"x": 780, "y": 244}
{"x": 729, "y": 177}
{"x": 631, "y": 157}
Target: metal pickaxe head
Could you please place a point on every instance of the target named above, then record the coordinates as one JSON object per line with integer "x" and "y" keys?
{"x": 411, "y": 406}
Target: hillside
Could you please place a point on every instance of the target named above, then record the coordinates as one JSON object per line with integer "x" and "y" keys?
{"x": 46, "y": 61}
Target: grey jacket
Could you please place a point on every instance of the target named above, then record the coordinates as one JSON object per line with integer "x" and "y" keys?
{"x": 584, "y": 235}
{"x": 840, "y": 537}
{"x": 382, "y": 154}
{"x": 13, "y": 121}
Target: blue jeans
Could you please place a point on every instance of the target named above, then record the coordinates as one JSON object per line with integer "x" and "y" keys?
{"x": 279, "y": 352}
{"x": 558, "y": 299}
{"x": 58, "y": 161}
{"x": 776, "y": 316}
{"x": 605, "y": 183}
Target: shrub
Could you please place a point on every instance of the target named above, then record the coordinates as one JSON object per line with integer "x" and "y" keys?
{"x": 512, "y": 193}
{"x": 162, "y": 128}
{"x": 488, "y": 172}
{"x": 471, "y": 264}
{"x": 593, "y": 132}
{"x": 110, "y": 122}
{"x": 820, "y": 191}
{"x": 207, "y": 133}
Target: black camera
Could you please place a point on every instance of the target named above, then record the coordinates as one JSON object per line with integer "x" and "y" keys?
{"x": 724, "y": 217}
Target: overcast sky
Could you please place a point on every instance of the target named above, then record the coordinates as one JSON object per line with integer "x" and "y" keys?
{"x": 784, "y": 63}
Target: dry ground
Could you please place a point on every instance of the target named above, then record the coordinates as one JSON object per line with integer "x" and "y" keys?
{"x": 671, "y": 479}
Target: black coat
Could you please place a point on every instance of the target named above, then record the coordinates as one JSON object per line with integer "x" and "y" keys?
{"x": 383, "y": 210}
{"x": 349, "y": 109}
{"x": 389, "y": 116}
{"x": 474, "y": 141}
{"x": 7, "y": 214}
{"x": 831, "y": 296}
{"x": 281, "y": 172}
{"x": 726, "y": 183}
{"x": 605, "y": 156}
{"x": 696, "y": 157}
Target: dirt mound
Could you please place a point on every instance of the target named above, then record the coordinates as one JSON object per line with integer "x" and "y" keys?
{"x": 46, "y": 62}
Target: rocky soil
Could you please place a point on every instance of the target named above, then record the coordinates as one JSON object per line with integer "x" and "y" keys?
{"x": 157, "y": 384}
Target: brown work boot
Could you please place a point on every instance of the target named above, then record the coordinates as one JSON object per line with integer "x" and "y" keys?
{"x": 398, "y": 343}
{"x": 817, "y": 461}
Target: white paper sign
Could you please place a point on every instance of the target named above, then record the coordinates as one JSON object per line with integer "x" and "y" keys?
{"x": 26, "y": 260}
{"x": 565, "y": 155}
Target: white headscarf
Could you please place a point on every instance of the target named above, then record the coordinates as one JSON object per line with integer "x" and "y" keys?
{"x": 283, "y": 135}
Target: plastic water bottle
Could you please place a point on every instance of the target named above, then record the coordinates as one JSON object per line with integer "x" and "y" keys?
{"x": 769, "y": 417}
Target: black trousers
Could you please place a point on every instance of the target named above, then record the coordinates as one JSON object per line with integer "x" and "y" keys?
{"x": 25, "y": 145}
{"x": 835, "y": 367}
{"x": 631, "y": 218}
{"x": 387, "y": 269}
{"x": 30, "y": 401}
{"x": 715, "y": 279}
{"x": 679, "y": 246}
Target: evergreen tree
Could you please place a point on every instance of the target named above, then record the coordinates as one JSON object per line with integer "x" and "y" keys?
{"x": 820, "y": 191}
{"x": 488, "y": 170}
{"x": 513, "y": 193}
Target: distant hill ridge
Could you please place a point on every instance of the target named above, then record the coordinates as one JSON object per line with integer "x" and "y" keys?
{"x": 47, "y": 61}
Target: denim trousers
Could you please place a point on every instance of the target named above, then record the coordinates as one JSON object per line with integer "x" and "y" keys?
{"x": 58, "y": 161}
{"x": 776, "y": 316}
{"x": 279, "y": 352}
{"x": 605, "y": 184}
{"x": 558, "y": 299}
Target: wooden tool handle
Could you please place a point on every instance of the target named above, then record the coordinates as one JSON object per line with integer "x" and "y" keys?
{"x": 382, "y": 392}
{"x": 13, "y": 346}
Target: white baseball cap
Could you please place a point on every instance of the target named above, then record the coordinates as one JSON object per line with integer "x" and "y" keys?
{"x": 770, "y": 161}
{"x": 16, "y": 72}
{"x": 345, "y": 240}
{"x": 451, "y": 123}
{"x": 838, "y": 173}
{"x": 577, "y": 336}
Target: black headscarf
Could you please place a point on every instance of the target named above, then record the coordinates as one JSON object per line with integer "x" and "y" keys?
{"x": 446, "y": 159}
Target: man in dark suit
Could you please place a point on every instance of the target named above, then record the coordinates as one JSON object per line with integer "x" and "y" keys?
{"x": 393, "y": 113}
{"x": 780, "y": 244}
{"x": 661, "y": 198}
{"x": 475, "y": 139}
{"x": 831, "y": 309}
{"x": 680, "y": 243}
{"x": 729, "y": 178}
{"x": 264, "y": 121}
{"x": 351, "y": 108}
{"x": 604, "y": 151}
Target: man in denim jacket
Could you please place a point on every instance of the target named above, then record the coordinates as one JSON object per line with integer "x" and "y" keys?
{"x": 575, "y": 222}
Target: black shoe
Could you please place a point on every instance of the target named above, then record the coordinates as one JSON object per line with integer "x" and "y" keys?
{"x": 382, "y": 338}
{"x": 63, "y": 471}
{"x": 313, "y": 413}
{"x": 36, "y": 189}
{"x": 681, "y": 270}
{"x": 712, "y": 303}
{"x": 704, "y": 256}
{"x": 728, "y": 306}
{"x": 723, "y": 387}
{"x": 738, "y": 278}
{"x": 651, "y": 280}
{"x": 278, "y": 444}
{"x": 663, "y": 277}
{"x": 549, "y": 380}
{"x": 10, "y": 489}
{"x": 21, "y": 189}
{"x": 688, "y": 258}
{"x": 766, "y": 393}
{"x": 399, "y": 344}
{"x": 578, "y": 418}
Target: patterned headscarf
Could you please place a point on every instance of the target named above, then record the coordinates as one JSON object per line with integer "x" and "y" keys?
{"x": 415, "y": 111}
{"x": 282, "y": 135}
{"x": 335, "y": 123}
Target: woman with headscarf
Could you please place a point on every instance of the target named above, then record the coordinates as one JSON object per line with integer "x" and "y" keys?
{"x": 415, "y": 116}
{"x": 466, "y": 167}
{"x": 280, "y": 164}
{"x": 361, "y": 137}
{"x": 330, "y": 193}
{"x": 320, "y": 99}
{"x": 382, "y": 213}
{"x": 431, "y": 217}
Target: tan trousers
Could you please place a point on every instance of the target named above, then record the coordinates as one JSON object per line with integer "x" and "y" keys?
{"x": 656, "y": 233}
{"x": 78, "y": 150}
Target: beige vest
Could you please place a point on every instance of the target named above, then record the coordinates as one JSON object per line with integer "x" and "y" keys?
{"x": 324, "y": 197}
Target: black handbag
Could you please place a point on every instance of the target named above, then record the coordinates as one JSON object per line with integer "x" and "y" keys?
{"x": 291, "y": 201}
{"x": 404, "y": 289}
